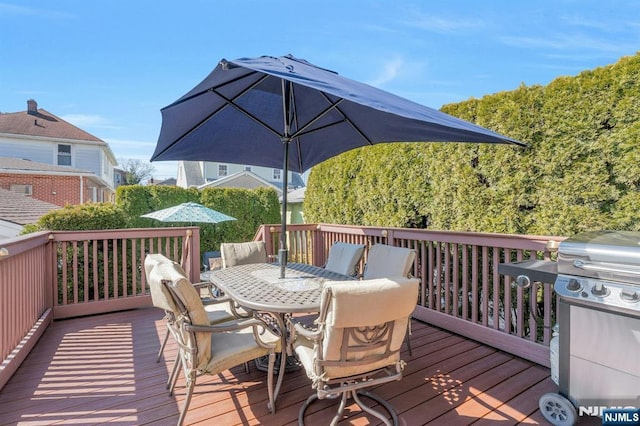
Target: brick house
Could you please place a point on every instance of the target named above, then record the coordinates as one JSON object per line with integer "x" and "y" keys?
{"x": 59, "y": 185}
{"x": 50, "y": 159}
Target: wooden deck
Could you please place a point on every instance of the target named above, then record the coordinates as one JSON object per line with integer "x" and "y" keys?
{"x": 102, "y": 369}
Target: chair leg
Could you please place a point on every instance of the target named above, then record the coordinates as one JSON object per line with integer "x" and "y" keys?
{"x": 304, "y": 407}
{"x": 355, "y": 395}
{"x": 407, "y": 339}
{"x": 341, "y": 407}
{"x": 272, "y": 402}
{"x": 173, "y": 378}
{"x": 379, "y": 400}
{"x": 191, "y": 384}
{"x": 164, "y": 343}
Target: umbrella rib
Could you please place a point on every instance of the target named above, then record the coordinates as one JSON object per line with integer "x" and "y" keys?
{"x": 227, "y": 101}
{"x": 209, "y": 89}
{"x": 332, "y": 106}
{"x": 231, "y": 103}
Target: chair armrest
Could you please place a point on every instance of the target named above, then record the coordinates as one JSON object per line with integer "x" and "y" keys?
{"x": 258, "y": 326}
{"x": 297, "y": 328}
{"x": 225, "y": 326}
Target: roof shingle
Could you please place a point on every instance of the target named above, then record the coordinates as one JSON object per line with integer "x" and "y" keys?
{"x": 44, "y": 124}
{"x": 21, "y": 209}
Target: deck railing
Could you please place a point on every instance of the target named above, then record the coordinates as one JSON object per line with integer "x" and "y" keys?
{"x": 52, "y": 275}
{"x": 461, "y": 289}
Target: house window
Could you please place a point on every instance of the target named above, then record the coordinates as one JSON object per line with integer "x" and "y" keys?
{"x": 64, "y": 155}
{"x": 247, "y": 168}
{"x": 277, "y": 174}
{"x": 222, "y": 170}
{"x": 21, "y": 189}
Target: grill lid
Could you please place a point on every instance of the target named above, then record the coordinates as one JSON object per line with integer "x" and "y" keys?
{"x": 605, "y": 255}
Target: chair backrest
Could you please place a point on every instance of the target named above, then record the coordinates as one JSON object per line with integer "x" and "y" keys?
{"x": 206, "y": 259}
{"x": 154, "y": 259}
{"x": 160, "y": 295}
{"x": 344, "y": 258}
{"x": 187, "y": 299}
{"x": 243, "y": 253}
{"x": 364, "y": 325}
{"x": 388, "y": 261}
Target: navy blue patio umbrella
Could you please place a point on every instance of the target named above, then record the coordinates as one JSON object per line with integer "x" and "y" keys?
{"x": 284, "y": 112}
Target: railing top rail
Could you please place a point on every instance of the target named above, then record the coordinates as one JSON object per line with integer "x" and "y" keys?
{"x": 13, "y": 246}
{"x": 169, "y": 231}
{"x": 515, "y": 241}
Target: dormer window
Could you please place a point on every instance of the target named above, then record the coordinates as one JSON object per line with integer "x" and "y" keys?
{"x": 64, "y": 155}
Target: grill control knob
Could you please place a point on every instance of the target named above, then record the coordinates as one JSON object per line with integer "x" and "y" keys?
{"x": 629, "y": 295}
{"x": 574, "y": 285}
{"x": 523, "y": 281}
{"x": 599, "y": 290}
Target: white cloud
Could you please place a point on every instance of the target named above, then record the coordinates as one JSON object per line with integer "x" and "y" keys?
{"x": 11, "y": 9}
{"x": 569, "y": 42}
{"x": 389, "y": 72}
{"x": 86, "y": 120}
{"x": 443, "y": 25}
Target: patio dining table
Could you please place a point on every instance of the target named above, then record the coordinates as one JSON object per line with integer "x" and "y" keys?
{"x": 258, "y": 287}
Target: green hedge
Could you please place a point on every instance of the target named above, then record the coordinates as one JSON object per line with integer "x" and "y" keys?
{"x": 581, "y": 170}
{"x": 251, "y": 208}
{"x": 81, "y": 217}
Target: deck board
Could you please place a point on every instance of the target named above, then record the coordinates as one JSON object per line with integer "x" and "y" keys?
{"x": 101, "y": 369}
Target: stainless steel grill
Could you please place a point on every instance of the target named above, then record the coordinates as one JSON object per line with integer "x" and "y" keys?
{"x": 598, "y": 281}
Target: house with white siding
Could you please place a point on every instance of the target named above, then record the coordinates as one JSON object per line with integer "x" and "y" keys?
{"x": 201, "y": 173}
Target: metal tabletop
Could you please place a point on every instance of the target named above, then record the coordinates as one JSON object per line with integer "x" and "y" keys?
{"x": 259, "y": 287}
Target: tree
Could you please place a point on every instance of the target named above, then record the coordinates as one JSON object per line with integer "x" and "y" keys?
{"x": 136, "y": 170}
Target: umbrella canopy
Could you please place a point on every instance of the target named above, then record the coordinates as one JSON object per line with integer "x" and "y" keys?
{"x": 284, "y": 112}
{"x": 189, "y": 212}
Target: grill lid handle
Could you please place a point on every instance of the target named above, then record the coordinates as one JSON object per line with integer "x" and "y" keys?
{"x": 611, "y": 268}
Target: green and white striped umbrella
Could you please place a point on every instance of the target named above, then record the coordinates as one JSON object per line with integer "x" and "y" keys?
{"x": 189, "y": 212}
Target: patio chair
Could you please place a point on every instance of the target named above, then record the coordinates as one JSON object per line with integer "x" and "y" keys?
{"x": 389, "y": 261}
{"x": 211, "y": 349}
{"x": 357, "y": 341}
{"x": 243, "y": 253}
{"x": 218, "y": 309}
{"x": 207, "y": 258}
{"x": 344, "y": 258}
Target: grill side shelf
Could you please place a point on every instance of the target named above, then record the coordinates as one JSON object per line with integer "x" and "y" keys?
{"x": 544, "y": 271}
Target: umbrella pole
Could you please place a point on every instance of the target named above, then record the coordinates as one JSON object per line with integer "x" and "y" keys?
{"x": 283, "y": 252}
{"x": 287, "y": 114}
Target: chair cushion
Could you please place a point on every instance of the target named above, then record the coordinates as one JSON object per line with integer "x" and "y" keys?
{"x": 380, "y": 301}
{"x": 154, "y": 259}
{"x": 190, "y": 298}
{"x": 377, "y": 300}
{"x": 218, "y": 312}
{"x": 236, "y": 347}
{"x": 243, "y": 253}
{"x": 344, "y": 258}
{"x": 388, "y": 261}
{"x": 160, "y": 295}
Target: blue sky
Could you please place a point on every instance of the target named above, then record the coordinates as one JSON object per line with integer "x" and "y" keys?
{"x": 108, "y": 66}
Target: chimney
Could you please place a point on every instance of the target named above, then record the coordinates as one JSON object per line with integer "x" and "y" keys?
{"x": 32, "y": 107}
